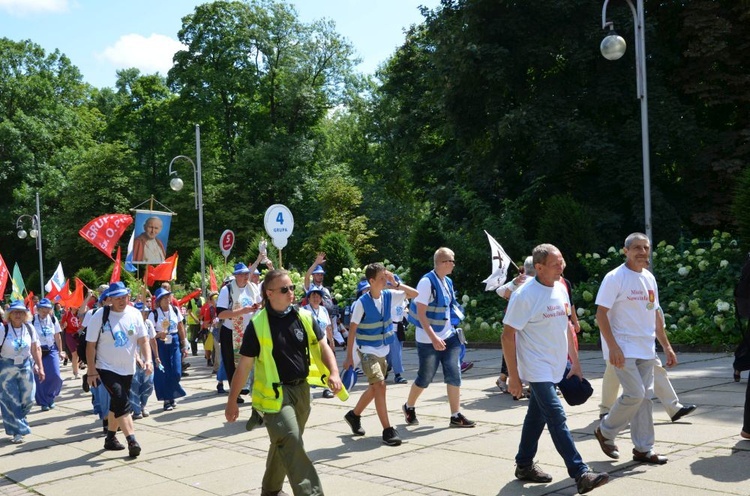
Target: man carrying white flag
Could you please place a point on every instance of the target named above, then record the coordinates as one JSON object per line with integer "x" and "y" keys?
{"x": 500, "y": 264}
{"x": 57, "y": 281}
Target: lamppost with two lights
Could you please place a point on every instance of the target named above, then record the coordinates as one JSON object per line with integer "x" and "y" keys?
{"x": 36, "y": 233}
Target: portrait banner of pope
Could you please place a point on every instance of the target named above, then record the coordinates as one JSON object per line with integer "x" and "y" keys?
{"x": 150, "y": 236}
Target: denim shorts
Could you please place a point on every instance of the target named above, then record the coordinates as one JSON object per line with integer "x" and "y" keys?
{"x": 429, "y": 358}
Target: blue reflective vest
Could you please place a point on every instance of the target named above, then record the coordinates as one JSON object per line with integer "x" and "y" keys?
{"x": 437, "y": 306}
{"x": 376, "y": 328}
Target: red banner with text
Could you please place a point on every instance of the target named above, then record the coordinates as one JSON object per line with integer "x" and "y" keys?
{"x": 104, "y": 231}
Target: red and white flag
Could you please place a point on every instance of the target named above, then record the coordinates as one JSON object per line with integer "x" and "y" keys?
{"x": 105, "y": 231}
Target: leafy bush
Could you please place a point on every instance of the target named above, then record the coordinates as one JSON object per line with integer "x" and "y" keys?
{"x": 344, "y": 286}
{"x": 696, "y": 284}
{"x": 339, "y": 253}
{"x": 89, "y": 277}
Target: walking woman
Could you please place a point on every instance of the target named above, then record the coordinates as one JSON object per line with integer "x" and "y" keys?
{"x": 172, "y": 345}
{"x": 20, "y": 346}
{"x": 50, "y": 342}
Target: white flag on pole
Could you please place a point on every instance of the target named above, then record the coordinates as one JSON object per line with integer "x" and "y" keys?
{"x": 57, "y": 281}
{"x": 500, "y": 264}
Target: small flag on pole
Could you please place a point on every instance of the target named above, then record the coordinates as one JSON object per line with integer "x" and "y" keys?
{"x": 500, "y": 264}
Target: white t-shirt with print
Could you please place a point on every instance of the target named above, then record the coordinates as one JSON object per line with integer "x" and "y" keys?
{"x": 165, "y": 320}
{"x": 633, "y": 300}
{"x": 539, "y": 314}
{"x": 358, "y": 313}
{"x": 118, "y": 341}
{"x": 46, "y": 328}
{"x": 17, "y": 345}
{"x": 241, "y": 297}
{"x": 321, "y": 315}
{"x": 424, "y": 288}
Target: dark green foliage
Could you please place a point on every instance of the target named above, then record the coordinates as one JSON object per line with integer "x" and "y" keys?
{"x": 338, "y": 252}
{"x": 89, "y": 277}
{"x": 741, "y": 208}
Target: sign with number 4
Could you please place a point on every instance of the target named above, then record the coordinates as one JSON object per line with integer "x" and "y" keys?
{"x": 279, "y": 223}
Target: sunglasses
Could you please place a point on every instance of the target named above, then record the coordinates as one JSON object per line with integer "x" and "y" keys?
{"x": 284, "y": 289}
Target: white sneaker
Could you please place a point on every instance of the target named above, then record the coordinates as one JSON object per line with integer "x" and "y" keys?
{"x": 17, "y": 439}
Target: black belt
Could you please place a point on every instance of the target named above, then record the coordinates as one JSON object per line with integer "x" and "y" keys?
{"x": 295, "y": 382}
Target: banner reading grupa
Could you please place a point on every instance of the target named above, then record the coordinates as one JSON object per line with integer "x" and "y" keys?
{"x": 104, "y": 231}
{"x": 150, "y": 237}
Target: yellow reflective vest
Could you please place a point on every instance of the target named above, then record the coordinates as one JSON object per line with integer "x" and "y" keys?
{"x": 268, "y": 393}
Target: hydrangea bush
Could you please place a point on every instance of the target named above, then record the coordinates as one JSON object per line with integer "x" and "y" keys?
{"x": 696, "y": 284}
{"x": 344, "y": 287}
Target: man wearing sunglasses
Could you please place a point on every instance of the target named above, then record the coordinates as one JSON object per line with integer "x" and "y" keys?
{"x": 291, "y": 353}
{"x": 438, "y": 343}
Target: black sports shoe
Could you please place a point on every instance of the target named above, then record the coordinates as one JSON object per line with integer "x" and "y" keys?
{"x": 355, "y": 422}
{"x": 532, "y": 473}
{"x": 244, "y": 392}
{"x": 460, "y": 421}
{"x": 390, "y": 437}
{"x": 410, "y": 414}
{"x": 134, "y": 449}
{"x": 112, "y": 444}
{"x": 591, "y": 480}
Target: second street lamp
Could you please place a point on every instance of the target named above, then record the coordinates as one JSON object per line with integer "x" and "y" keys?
{"x": 176, "y": 184}
{"x": 613, "y": 47}
{"x": 36, "y": 233}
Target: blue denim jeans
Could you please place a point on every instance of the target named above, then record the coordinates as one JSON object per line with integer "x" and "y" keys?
{"x": 545, "y": 409}
{"x": 430, "y": 358}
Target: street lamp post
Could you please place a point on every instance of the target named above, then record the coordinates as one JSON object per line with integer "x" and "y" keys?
{"x": 36, "y": 233}
{"x": 613, "y": 47}
{"x": 176, "y": 184}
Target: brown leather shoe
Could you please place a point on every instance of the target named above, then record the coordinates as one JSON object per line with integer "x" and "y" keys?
{"x": 609, "y": 449}
{"x": 649, "y": 457}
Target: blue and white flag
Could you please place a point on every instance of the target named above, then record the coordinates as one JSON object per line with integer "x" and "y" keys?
{"x": 57, "y": 281}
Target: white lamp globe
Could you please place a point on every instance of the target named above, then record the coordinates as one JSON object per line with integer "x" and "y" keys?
{"x": 613, "y": 46}
{"x": 176, "y": 184}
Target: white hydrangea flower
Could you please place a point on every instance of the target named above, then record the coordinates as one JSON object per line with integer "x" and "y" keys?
{"x": 595, "y": 256}
{"x": 465, "y": 299}
{"x": 722, "y": 306}
{"x": 700, "y": 251}
{"x": 345, "y": 270}
{"x": 723, "y": 263}
{"x": 611, "y": 249}
{"x": 580, "y": 312}
{"x": 683, "y": 271}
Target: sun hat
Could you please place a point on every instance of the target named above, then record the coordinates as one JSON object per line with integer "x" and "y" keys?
{"x": 44, "y": 303}
{"x": 313, "y": 289}
{"x": 17, "y": 305}
{"x": 117, "y": 289}
{"x": 240, "y": 268}
{"x": 575, "y": 390}
{"x": 361, "y": 287}
{"x": 349, "y": 378}
{"x": 319, "y": 270}
{"x": 160, "y": 293}
{"x": 103, "y": 296}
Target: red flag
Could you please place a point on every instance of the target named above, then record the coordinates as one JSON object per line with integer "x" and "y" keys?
{"x": 162, "y": 272}
{"x": 116, "y": 269}
{"x": 75, "y": 299}
{"x": 57, "y": 295}
{"x": 212, "y": 279}
{"x": 4, "y": 274}
{"x": 189, "y": 297}
{"x": 29, "y": 301}
{"x": 104, "y": 231}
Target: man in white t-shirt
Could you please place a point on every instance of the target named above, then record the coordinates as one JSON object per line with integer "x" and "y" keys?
{"x": 371, "y": 331}
{"x": 238, "y": 301}
{"x": 629, "y": 321}
{"x": 112, "y": 344}
{"x": 438, "y": 343}
{"x": 537, "y": 342}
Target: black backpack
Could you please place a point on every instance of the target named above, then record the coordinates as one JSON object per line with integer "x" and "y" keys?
{"x": 81, "y": 336}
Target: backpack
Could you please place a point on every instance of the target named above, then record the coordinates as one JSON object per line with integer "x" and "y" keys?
{"x": 81, "y": 348}
{"x": 31, "y": 328}
{"x": 174, "y": 309}
{"x": 230, "y": 302}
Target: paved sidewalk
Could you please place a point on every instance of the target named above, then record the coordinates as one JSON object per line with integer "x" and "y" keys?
{"x": 191, "y": 451}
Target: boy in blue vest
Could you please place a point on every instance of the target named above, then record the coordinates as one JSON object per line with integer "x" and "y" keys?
{"x": 438, "y": 343}
{"x": 372, "y": 331}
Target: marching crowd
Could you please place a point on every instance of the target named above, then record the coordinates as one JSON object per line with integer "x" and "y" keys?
{"x": 256, "y": 338}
